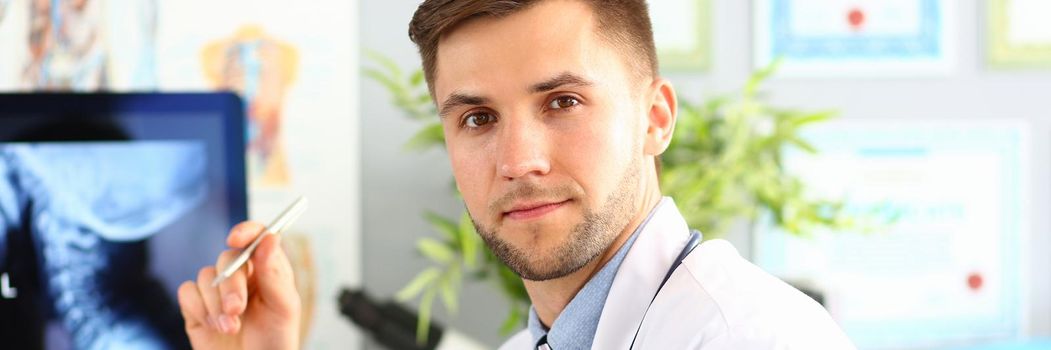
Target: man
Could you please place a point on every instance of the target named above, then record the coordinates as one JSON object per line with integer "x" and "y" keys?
{"x": 554, "y": 117}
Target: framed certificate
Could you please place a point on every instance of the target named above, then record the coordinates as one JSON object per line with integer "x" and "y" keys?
{"x": 855, "y": 38}
{"x": 682, "y": 32}
{"x": 1019, "y": 33}
{"x": 948, "y": 268}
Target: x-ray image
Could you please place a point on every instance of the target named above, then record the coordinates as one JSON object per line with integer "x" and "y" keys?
{"x": 76, "y": 221}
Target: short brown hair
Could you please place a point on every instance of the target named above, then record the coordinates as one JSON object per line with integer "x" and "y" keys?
{"x": 624, "y": 23}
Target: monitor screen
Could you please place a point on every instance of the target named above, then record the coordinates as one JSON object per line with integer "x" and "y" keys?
{"x": 107, "y": 203}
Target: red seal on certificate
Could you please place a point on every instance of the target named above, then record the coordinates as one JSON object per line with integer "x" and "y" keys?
{"x": 974, "y": 281}
{"x": 856, "y": 18}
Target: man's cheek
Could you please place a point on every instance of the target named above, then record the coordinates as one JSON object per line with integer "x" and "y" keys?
{"x": 474, "y": 195}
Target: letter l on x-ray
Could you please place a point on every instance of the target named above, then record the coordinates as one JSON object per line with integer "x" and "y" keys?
{"x": 6, "y": 290}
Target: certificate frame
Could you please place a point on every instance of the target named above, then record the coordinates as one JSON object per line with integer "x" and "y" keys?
{"x": 997, "y": 157}
{"x": 696, "y": 58}
{"x": 929, "y": 50}
{"x": 1000, "y": 51}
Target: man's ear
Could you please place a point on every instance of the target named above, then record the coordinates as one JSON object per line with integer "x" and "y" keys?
{"x": 663, "y": 109}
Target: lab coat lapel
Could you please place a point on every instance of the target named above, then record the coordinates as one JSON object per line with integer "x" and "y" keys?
{"x": 648, "y": 260}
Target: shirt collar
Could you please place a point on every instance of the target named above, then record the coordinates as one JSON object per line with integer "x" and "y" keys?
{"x": 575, "y": 326}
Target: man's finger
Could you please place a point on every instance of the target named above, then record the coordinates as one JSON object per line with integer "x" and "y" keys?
{"x": 233, "y": 291}
{"x": 272, "y": 278}
{"x": 210, "y": 296}
{"x": 243, "y": 234}
{"x": 191, "y": 306}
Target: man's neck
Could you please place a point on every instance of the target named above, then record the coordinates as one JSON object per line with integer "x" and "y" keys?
{"x": 551, "y": 297}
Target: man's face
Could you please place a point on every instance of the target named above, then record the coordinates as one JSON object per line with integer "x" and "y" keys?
{"x": 544, "y": 133}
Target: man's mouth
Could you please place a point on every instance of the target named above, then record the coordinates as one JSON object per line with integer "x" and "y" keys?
{"x": 532, "y": 210}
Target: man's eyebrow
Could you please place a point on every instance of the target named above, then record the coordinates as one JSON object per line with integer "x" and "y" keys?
{"x": 563, "y": 79}
{"x": 458, "y": 99}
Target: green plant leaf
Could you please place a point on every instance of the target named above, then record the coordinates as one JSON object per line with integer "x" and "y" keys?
{"x": 388, "y": 63}
{"x": 424, "y": 99}
{"x": 417, "y": 78}
{"x": 759, "y": 76}
{"x": 423, "y": 322}
{"x": 814, "y": 118}
{"x": 469, "y": 241}
{"x": 418, "y": 283}
{"x": 435, "y": 250}
{"x": 429, "y": 136}
{"x": 805, "y": 146}
{"x": 515, "y": 318}
{"x": 446, "y": 226}
{"x": 385, "y": 80}
{"x": 449, "y": 288}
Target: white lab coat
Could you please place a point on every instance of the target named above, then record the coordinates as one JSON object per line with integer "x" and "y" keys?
{"x": 715, "y": 300}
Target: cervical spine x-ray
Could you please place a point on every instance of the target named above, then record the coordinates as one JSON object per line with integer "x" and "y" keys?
{"x": 75, "y": 219}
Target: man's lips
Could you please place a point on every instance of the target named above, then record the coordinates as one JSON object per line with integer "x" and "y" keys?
{"x": 533, "y": 210}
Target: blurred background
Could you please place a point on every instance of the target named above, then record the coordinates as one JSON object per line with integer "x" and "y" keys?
{"x": 897, "y": 165}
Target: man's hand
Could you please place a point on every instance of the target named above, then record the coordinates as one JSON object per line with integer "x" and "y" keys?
{"x": 255, "y": 308}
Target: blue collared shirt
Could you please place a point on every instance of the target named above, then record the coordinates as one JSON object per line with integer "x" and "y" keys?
{"x": 575, "y": 326}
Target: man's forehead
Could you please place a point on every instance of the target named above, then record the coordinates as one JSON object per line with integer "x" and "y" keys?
{"x": 540, "y": 84}
{"x": 524, "y": 48}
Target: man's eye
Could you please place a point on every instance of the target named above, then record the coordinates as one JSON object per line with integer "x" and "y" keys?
{"x": 563, "y": 102}
{"x": 477, "y": 120}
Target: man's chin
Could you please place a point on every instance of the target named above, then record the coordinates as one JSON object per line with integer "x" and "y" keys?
{"x": 532, "y": 234}
{"x": 543, "y": 261}
{"x": 541, "y": 249}
{"x": 546, "y": 269}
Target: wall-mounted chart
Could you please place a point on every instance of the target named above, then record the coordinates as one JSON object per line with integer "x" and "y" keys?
{"x": 862, "y": 38}
{"x": 1019, "y": 33}
{"x": 949, "y": 268}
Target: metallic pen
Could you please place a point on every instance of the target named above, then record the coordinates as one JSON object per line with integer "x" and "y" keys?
{"x": 282, "y": 222}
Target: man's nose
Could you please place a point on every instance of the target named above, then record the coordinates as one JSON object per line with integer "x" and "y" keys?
{"x": 522, "y": 148}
